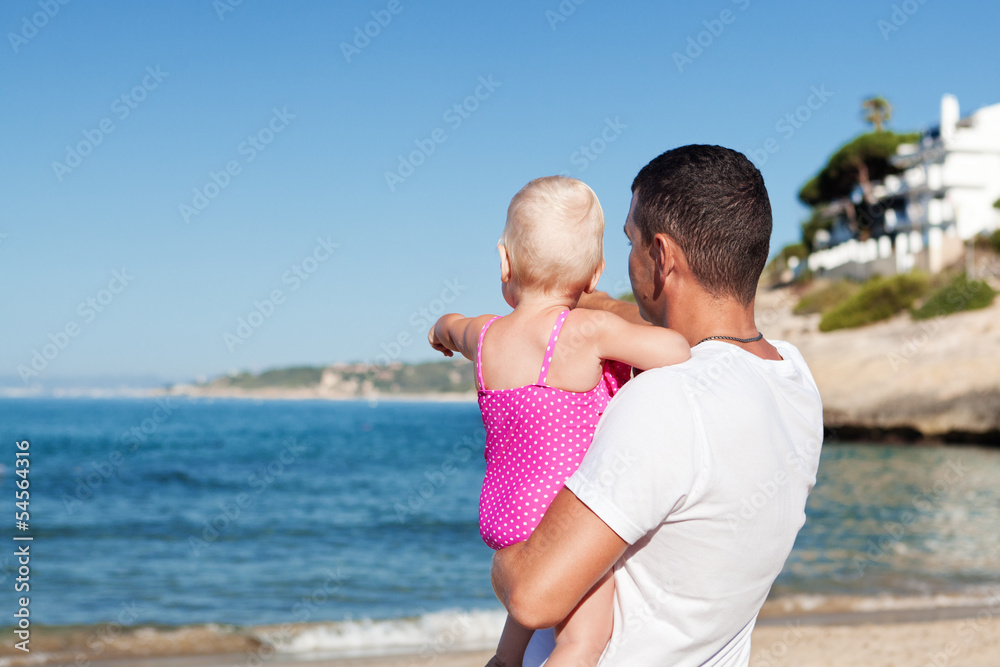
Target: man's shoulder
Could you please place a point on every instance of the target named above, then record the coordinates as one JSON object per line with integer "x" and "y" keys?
{"x": 788, "y": 351}
{"x": 713, "y": 367}
{"x": 705, "y": 360}
{"x": 709, "y": 358}
{"x": 668, "y": 385}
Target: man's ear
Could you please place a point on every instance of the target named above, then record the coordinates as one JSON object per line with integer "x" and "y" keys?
{"x": 663, "y": 250}
{"x": 595, "y": 279}
{"x": 505, "y": 270}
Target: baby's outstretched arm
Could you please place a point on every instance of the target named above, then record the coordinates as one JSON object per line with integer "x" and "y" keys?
{"x": 455, "y": 333}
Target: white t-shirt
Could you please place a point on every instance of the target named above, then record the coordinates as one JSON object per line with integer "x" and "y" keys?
{"x": 703, "y": 468}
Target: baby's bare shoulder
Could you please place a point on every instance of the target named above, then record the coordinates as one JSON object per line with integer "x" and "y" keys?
{"x": 587, "y": 323}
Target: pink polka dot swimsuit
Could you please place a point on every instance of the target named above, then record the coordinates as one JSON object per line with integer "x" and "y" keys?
{"x": 536, "y": 436}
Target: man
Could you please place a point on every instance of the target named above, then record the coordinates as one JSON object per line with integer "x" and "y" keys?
{"x": 695, "y": 485}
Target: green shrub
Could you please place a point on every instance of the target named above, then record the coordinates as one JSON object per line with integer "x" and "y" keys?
{"x": 772, "y": 274}
{"x": 804, "y": 276}
{"x": 959, "y": 294}
{"x": 826, "y": 298}
{"x": 298, "y": 376}
{"x": 995, "y": 241}
{"x": 797, "y": 250}
{"x": 878, "y": 299}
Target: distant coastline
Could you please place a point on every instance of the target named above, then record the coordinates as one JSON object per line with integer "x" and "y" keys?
{"x": 432, "y": 381}
{"x": 894, "y": 381}
{"x": 311, "y": 395}
{"x": 935, "y": 381}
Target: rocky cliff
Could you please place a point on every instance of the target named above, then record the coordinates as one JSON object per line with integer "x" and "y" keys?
{"x": 938, "y": 379}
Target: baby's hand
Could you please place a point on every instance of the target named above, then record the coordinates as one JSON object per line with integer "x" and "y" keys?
{"x": 437, "y": 344}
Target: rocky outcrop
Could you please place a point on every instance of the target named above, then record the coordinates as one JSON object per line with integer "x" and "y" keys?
{"x": 938, "y": 379}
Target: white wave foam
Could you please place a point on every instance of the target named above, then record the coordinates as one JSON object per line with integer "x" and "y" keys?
{"x": 814, "y": 603}
{"x": 427, "y": 635}
{"x": 450, "y": 631}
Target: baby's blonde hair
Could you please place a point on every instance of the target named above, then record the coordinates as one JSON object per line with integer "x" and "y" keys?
{"x": 554, "y": 235}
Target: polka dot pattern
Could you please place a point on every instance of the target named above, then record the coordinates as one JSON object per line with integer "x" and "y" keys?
{"x": 536, "y": 437}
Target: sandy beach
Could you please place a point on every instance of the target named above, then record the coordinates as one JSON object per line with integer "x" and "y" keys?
{"x": 876, "y": 631}
{"x": 973, "y": 641}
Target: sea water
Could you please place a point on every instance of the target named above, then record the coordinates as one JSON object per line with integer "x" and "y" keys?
{"x": 358, "y": 520}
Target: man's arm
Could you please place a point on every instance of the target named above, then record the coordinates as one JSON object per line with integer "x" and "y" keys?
{"x": 626, "y": 310}
{"x": 541, "y": 580}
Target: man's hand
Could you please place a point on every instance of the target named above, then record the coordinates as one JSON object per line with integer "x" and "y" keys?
{"x": 596, "y": 300}
{"x": 626, "y": 310}
{"x": 541, "y": 580}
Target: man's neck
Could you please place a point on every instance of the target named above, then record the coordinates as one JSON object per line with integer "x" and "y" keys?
{"x": 702, "y": 316}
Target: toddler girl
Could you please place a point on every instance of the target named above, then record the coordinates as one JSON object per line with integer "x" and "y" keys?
{"x": 545, "y": 372}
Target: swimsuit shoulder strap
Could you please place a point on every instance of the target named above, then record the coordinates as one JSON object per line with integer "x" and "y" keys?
{"x": 550, "y": 349}
{"x": 479, "y": 352}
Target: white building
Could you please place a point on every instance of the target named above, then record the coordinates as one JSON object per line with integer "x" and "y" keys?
{"x": 924, "y": 215}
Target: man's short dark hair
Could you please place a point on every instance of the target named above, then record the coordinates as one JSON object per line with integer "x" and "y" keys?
{"x": 712, "y": 201}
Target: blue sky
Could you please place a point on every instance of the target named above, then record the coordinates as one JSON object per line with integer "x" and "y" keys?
{"x": 217, "y": 155}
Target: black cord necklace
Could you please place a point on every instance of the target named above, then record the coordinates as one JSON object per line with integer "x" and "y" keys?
{"x": 739, "y": 340}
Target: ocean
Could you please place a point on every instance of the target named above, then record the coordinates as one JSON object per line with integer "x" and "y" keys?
{"x": 353, "y": 525}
